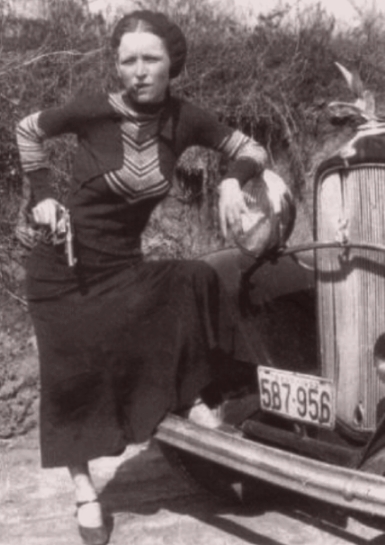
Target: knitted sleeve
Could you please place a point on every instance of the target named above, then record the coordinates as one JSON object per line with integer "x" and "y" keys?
{"x": 34, "y": 129}
{"x": 248, "y": 158}
{"x": 33, "y": 157}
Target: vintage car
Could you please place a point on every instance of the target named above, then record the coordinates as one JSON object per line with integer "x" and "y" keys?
{"x": 311, "y": 416}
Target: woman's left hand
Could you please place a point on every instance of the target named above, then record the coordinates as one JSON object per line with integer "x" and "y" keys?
{"x": 232, "y": 206}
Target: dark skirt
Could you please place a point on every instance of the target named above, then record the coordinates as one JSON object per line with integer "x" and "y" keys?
{"x": 120, "y": 348}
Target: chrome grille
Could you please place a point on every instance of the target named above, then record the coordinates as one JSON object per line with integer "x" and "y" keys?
{"x": 351, "y": 288}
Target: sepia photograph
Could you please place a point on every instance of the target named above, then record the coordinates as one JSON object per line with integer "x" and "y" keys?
{"x": 192, "y": 272}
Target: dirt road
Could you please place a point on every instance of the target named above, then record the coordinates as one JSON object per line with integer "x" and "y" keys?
{"x": 153, "y": 505}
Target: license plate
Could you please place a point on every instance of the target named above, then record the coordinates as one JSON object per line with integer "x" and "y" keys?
{"x": 296, "y": 396}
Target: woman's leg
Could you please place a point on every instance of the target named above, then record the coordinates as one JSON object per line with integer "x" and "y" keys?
{"x": 89, "y": 512}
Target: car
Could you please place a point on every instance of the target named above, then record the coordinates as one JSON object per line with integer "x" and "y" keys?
{"x": 310, "y": 416}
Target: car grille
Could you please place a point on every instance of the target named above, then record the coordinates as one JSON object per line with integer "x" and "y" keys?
{"x": 350, "y": 204}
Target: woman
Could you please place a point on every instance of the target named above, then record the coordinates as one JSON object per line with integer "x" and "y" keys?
{"x": 123, "y": 341}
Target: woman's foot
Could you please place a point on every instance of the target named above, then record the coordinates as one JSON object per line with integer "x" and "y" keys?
{"x": 202, "y": 415}
{"x": 89, "y": 514}
{"x": 92, "y": 527}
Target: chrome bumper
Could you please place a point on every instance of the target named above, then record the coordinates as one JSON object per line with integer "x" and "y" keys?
{"x": 348, "y": 488}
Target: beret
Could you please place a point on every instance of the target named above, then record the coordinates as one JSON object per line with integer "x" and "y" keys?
{"x": 158, "y": 24}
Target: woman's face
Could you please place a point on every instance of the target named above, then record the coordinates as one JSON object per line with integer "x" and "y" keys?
{"x": 143, "y": 65}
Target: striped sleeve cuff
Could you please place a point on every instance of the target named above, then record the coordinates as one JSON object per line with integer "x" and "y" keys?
{"x": 249, "y": 158}
{"x": 30, "y": 139}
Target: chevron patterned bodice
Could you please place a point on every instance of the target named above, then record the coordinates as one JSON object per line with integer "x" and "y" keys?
{"x": 140, "y": 177}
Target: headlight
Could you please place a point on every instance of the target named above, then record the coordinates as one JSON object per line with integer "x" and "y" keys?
{"x": 271, "y": 216}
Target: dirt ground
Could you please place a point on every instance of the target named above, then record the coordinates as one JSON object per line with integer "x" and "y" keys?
{"x": 153, "y": 505}
{"x": 19, "y": 381}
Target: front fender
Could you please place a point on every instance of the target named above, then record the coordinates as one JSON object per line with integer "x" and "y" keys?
{"x": 275, "y": 316}
{"x": 269, "y": 281}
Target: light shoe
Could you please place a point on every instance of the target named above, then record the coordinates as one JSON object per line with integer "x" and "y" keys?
{"x": 202, "y": 415}
{"x": 99, "y": 535}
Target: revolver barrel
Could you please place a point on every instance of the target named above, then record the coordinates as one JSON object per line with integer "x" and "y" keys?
{"x": 69, "y": 240}
{"x": 65, "y": 235}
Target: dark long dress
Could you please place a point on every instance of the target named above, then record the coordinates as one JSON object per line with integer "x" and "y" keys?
{"x": 122, "y": 341}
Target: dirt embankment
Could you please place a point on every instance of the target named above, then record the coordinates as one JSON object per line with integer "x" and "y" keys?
{"x": 19, "y": 387}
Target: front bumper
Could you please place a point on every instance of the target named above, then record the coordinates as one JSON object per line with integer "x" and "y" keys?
{"x": 348, "y": 488}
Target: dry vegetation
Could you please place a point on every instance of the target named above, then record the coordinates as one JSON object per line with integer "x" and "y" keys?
{"x": 272, "y": 81}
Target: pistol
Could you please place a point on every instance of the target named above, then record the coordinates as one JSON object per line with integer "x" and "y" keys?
{"x": 65, "y": 234}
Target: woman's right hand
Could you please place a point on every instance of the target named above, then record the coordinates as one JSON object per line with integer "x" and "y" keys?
{"x": 47, "y": 212}
{"x": 232, "y": 206}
